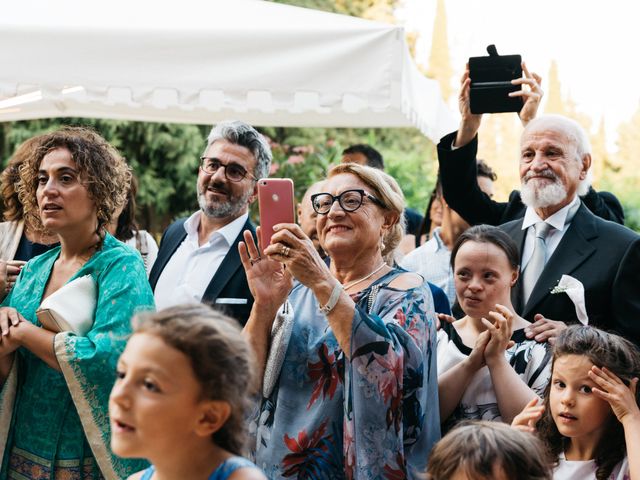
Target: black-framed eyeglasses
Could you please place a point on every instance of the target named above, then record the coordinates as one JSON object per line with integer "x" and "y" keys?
{"x": 232, "y": 171}
{"x": 349, "y": 201}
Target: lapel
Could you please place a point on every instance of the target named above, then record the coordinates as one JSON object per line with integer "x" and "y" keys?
{"x": 574, "y": 248}
{"x": 230, "y": 264}
{"x": 514, "y": 230}
{"x": 168, "y": 246}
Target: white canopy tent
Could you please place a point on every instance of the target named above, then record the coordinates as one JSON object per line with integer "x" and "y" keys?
{"x": 200, "y": 61}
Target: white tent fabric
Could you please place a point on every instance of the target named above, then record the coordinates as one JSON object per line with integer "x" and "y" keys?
{"x": 200, "y": 61}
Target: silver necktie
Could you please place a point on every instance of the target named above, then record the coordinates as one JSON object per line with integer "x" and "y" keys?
{"x": 536, "y": 264}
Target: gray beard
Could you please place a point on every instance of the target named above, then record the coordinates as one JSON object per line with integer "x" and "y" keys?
{"x": 232, "y": 208}
{"x": 543, "y": 197}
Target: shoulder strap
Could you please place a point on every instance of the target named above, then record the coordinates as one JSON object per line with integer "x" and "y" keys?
{"x": 142, "y": 245}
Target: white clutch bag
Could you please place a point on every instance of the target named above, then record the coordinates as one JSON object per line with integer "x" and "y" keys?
{"x": 71, "y": 308}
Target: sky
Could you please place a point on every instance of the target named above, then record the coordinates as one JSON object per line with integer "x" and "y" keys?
{"x": 594, "y": 42}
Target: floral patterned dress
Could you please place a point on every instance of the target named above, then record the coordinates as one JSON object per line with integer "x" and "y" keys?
{"x": 374, "y": 416}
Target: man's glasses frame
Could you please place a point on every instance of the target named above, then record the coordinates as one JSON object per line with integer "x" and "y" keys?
{"x": 343, "y": 201}
{"x": 232, "y": 171}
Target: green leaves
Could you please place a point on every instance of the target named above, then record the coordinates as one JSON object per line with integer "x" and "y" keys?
{"x": 164, "y": 157}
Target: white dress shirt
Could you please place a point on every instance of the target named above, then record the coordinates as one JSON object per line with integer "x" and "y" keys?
{"x": 557, "y": 221}
{"x": 192, "y": 266}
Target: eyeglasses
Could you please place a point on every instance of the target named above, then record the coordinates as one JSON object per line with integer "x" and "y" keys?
{"x": 349, "y": 200}
{"x": 232, "y": 171}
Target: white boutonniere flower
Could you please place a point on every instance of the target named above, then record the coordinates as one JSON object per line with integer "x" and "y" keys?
{"x": 575, "y": 290}
{"x": 558, "y": 289}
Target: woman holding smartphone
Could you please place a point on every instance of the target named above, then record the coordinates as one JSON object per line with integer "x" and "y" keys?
{"x": 350, "y": 385}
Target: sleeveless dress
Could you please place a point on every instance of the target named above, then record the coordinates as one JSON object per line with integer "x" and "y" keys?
{"x": 223, "y": 472}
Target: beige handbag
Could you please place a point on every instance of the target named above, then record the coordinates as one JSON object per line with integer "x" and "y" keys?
{"x": 71, "y": 308}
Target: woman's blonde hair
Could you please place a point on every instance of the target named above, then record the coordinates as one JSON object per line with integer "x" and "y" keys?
{"x": 101, "y": 168}
{"x": 386, "y": 189}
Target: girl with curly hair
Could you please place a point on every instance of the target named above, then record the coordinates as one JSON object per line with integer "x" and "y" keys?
{"x": 55, "y": 386}
{"x": 590, "y": 420}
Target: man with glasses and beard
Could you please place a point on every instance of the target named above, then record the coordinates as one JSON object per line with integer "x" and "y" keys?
{"x": 558, "y": 235}
{"x": 198, "y": 260}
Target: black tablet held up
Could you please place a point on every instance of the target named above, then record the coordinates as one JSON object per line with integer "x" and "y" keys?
{"x": 491, "y": 82}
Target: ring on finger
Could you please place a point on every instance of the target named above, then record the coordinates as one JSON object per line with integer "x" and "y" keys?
{"x": 285, "y": 251}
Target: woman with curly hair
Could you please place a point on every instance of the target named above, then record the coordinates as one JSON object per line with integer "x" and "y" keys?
{"x": 54, "y": 398}
{"x": 18, "y": 242}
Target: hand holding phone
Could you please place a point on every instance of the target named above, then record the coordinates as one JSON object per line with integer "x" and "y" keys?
{"x": 276, "y": 205}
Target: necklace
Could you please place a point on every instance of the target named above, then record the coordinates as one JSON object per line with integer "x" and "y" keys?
{"x": 360, "y": 280}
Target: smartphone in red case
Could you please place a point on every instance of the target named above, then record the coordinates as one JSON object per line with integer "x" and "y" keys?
{"x": 276, "y": 204}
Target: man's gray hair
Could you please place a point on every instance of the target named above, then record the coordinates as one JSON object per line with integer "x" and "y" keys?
{"x": 243, "y": 134}
{"x": 576, "y": 134}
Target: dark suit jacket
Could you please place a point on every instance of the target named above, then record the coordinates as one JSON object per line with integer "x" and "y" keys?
{"x": 605, "y": 257}
{"x": 458, "y": 174}
{"x": 229, "y": 281}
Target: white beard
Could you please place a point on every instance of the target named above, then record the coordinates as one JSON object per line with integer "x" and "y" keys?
{"x": 544, "y": 196}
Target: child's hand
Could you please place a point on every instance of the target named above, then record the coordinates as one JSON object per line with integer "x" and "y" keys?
{"x": 621, "y": 398}
{"x": 526, "y": 420}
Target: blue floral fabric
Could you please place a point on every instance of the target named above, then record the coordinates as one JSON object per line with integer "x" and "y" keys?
{"x": 374, "y": 416}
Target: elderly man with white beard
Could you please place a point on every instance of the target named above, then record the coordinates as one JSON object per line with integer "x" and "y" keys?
{"x": 558, "y": 235}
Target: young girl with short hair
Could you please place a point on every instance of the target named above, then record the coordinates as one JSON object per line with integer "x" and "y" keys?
{"x": 590, "y": 420}
{"x": 181, "y": 396}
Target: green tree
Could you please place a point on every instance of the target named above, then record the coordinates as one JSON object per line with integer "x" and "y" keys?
{"x": 325, "y": 5}
{"x": 626, "y": 180}
{"x": 439, "y": 58}
{"x": 381, "y": 10}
